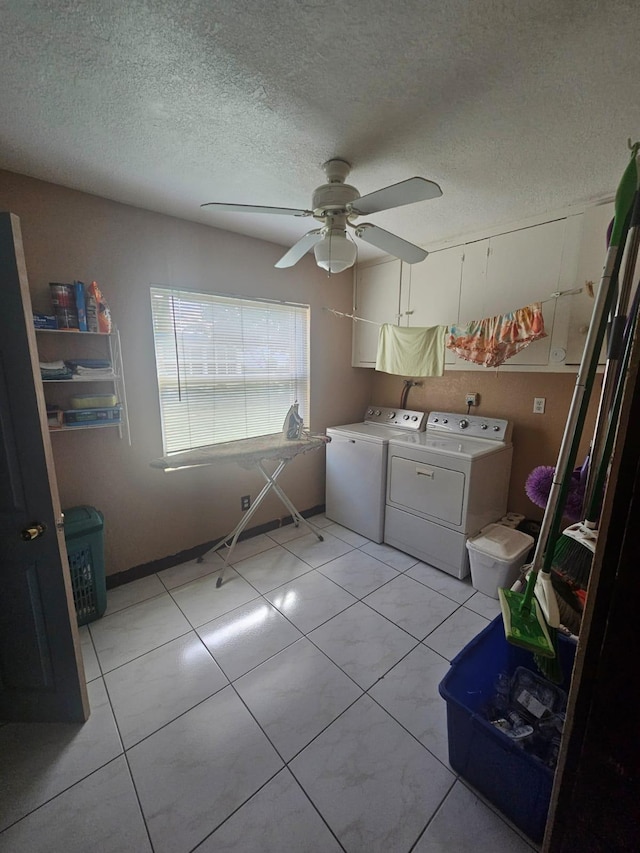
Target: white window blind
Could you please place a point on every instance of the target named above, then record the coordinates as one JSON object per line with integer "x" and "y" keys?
{"x": 228, "y": 368}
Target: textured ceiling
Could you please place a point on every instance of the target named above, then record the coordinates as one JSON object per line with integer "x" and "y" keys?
{"x": 514, "y": 108}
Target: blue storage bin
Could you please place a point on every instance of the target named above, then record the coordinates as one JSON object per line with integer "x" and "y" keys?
{"x": 516, "y": 782}
{"x": 84, "y": 538}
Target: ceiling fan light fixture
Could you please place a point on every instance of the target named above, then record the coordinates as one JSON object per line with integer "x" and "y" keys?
{"x": 335, "y": 252}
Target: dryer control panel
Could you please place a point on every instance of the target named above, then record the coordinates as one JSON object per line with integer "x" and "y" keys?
{"x": 472, "y": 426}
{"x": 398, "y": 418}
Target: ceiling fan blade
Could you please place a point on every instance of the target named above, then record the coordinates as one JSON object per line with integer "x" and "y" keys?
{"x": 256, "y": 208}
{"x": 299, "y": 249}
{"x": 406, "y": 192}
{"x": 390, "y": 243}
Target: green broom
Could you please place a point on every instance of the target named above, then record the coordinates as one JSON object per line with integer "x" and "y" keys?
{"x": 570, "y": 605}
{"x": 524, "y": 621}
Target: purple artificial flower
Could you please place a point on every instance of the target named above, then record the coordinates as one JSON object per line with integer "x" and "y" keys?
{"x": 538, "y": 487}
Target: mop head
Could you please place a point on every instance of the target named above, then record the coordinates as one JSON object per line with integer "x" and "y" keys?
{"x": 525, "y": 626}
{"x": 544, "y": 593}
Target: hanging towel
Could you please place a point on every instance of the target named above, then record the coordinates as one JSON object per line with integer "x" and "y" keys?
{"x": 492, "y": 341}
{"x": 415, "y": 351}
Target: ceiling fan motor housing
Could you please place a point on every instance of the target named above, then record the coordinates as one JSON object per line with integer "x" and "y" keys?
{"x": 330, "y": 197}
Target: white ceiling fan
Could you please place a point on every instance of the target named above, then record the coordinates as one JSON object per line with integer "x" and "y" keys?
{"x": 336, "y": 204}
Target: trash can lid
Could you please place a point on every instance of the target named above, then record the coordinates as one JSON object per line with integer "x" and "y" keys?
{"x": 82, "y": 519}
{"x": 501, "y": 542}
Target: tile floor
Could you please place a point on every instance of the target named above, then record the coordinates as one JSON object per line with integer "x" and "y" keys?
{"x": 295, "y": 709}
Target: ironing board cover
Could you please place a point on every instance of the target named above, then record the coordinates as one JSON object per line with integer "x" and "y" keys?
{"x": 245, "y": 451}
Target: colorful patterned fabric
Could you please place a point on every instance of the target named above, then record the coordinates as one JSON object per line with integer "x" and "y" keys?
{"x": 492, "y": 341}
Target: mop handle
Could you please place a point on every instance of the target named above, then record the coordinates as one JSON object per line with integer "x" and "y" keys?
{"x": 568, "y": 447}
{"x": 592, "y": 510}
{"x": 579, "y": 404}
{"x": 604, "y": 297}
{"x": 613, "y": 366}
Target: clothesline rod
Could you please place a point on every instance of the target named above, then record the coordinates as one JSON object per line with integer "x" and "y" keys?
{"x": 353, "y": 316}
{"x": 558, "y": 293}
{"x": 552, "y": 296}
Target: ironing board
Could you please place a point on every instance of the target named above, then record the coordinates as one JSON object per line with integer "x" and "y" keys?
{"x": 248, "y": 453}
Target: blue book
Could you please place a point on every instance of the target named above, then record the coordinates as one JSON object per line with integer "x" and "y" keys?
{"x": 81, "y": 305}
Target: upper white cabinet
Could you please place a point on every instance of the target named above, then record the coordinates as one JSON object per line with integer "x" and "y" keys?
{"x": 510, "y": 271}
{"x": 593, "y": 250}
{"x": 376, "y": 298}
{"x": 431, "y": 291}
{"x": 493, "y": 276}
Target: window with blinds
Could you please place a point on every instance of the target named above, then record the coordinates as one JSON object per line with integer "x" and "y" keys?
{"x": 228, "y": 368}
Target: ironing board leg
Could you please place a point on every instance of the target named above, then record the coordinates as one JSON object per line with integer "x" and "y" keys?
{"x": 233, "y": 536}
{"x": 297, "y": 518}
{"x": 235, "y": 533}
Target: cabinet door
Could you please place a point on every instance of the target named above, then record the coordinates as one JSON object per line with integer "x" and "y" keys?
{"x": 474, "y": 281}
{"x": 434, "y": 291}
{"x": 376, "y": 298}
{"x": 522, "y": 267}
{"x": 593, "y": 250}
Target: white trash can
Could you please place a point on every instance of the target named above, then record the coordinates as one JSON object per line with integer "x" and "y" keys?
{"x": 496, "y": 556}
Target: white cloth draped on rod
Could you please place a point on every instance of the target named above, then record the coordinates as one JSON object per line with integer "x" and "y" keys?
{"x": 411, "y": 351}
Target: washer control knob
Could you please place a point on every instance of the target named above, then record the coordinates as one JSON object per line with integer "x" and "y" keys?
{"x": 445, "y": 420}
{"x": 496, "y": 429}
{"x": 391, "y": 415}
{"x": 405, "y": 417}
{"x": 463, "y": 424}
{"x": 369, "y": 411}
{"x": 414, "y": 417}
{"x": 435, "y": 420}
{"x": 378, "y": 413}
{"x": 483, "y": 426}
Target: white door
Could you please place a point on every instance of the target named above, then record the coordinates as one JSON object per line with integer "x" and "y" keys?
{"x": 474, "y": 281}
{"x": 524, "y": 266}
{"x": 434, "y": 291}
{"x": 593, "y": 250}
{"x": 376, "y": 298}
{"x": 41, "y": 672}
{"x": 426, "y": 489}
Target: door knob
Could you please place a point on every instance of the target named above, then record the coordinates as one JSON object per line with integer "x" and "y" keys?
{"x": 33, "y": 532}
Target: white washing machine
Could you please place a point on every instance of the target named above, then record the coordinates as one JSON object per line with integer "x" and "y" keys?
{"x": 444, "y": 485}
{"x": 357, "y": 467}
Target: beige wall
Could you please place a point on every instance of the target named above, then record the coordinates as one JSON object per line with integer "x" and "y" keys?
{"x": 148, "y": 514}
{"x": 536, "y": 438}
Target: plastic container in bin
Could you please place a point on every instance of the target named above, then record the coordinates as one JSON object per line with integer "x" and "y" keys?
{"x": 516, "y": 782}
{"x": 496, "y": 556}
{"x": 84, "y": 537}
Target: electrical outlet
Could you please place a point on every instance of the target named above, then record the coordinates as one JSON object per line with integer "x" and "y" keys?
{"x": 538, "y": 405}
{"x": 245, "y": 502}
{"x": 472, "y": 399}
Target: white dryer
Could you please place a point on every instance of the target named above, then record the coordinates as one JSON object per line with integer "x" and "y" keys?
{"x": 444, "y": 485}
{"x": 357, "y": 467}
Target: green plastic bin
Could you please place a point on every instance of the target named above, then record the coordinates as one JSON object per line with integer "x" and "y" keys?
{"x": 84, "y": 537}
